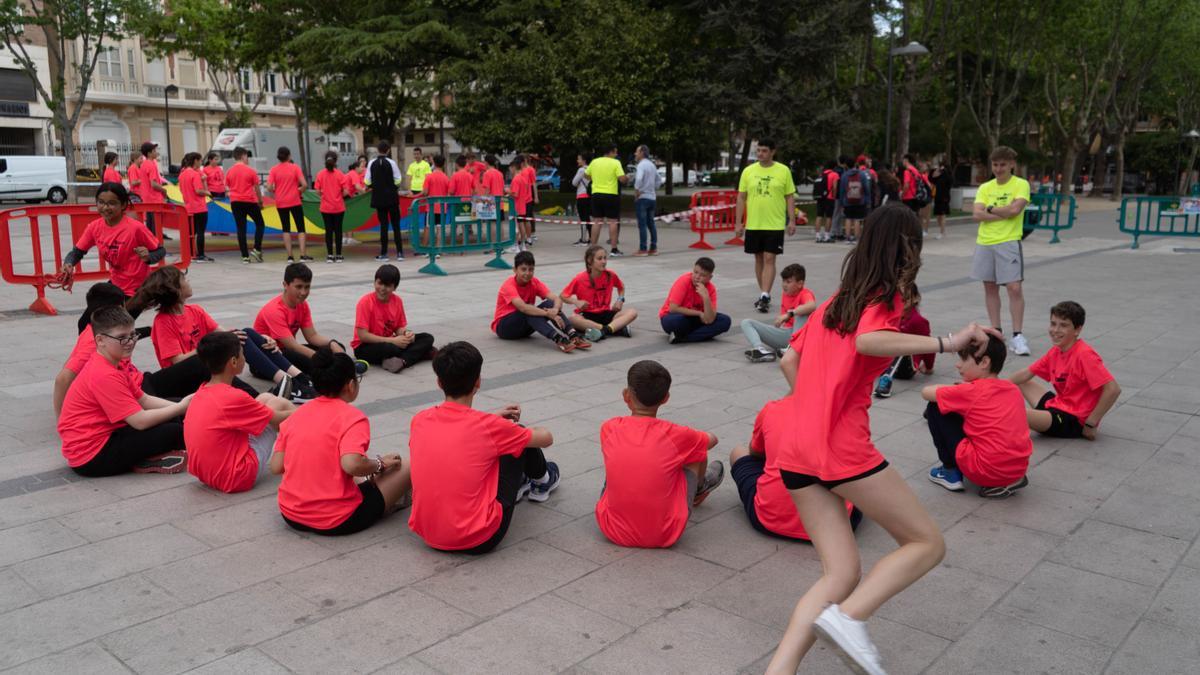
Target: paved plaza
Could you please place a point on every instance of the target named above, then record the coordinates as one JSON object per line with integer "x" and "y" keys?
{"x": 1095, "y": 568}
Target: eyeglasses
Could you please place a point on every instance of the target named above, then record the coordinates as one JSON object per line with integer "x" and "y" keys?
{"x": 358, "y": 377}
{"x": 125, "y": 340}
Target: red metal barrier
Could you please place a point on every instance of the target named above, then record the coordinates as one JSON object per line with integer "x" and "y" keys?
{"x": 713, "y": 211}
{"x": 77, "y": 217}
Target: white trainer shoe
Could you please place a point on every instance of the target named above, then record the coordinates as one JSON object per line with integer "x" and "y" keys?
{"x": 1019, "y": 346}
{"x": 849, "y": 639}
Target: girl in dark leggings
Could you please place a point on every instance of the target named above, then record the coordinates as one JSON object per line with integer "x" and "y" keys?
{"x": 287, "y": 182}
{"x": 334, "y": 187}
{"x": 179, "y": 327}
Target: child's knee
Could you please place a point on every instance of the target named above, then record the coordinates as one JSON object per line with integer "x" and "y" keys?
{"x": 737, "y": 453}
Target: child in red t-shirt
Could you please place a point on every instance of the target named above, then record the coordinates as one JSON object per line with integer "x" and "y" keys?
{"x": 905, "y": 367}
{"x": 469, "y": 467}
{"x": 768, "y": 340}
{"x": 1084, "y": 390}
{"x": 689, "y": 314}
{"x": 229, "y": 434}
{"x": 519, "y": 315}
{"x": 978, "y": 427}
{"x": 655, "y": 471}
{"x": 286, "y": 182}
{"x": 214, "y": 175}
{"x": 437, "y": 184}
{"x": 322, "y": 448}
{"x": 334, "y": 187}
{"x": 521, "y": 190}
{"x": 591, "y": 291}
{"x": 381, "y": 334}
{"x": 108, "y": 425}
{"x": 282, "y": 317}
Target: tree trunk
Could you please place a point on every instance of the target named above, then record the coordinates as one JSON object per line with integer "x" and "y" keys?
{"x": 745, "y": 159}
{"x": 66, "y": 136}
{"x": 905, "y": 110}
{"x": 1119, "y": 180}
{"x": 1068, "y": 167}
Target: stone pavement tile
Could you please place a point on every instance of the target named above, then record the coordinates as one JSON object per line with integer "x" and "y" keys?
{"x": 86, "y": 658}
{"x": 369, "y": 636}
{"x": 1003, "y": 644}
{"x": 501, "y": 580}
{"x": 946, "y": 601}
{"x": 53, "y": 502}
{"x": 727, "y": 539}
{"x": 1106, "y": 449}
{"x": 767, "y": 592}
{"x": 582, "y": 537}
{"x": 205, "y": 632}
{"x": 1193, "y": 558}
{"x": 574, "y": 457}
{"x": 407, "y": 666}
{"x": 1157, "y": 648}
{"x": 547, "y": 634}
{"x": 222, "y": 570}
{"x": 1132, "y": 555}
{"x": 234, "y": 523}
{"x": 15, "y": 592}
{"x": 1157, "y": 512}
{"x": 135, "y": 484}
{"x": 129, "y": 515}
{"x": 1081, "y": 477}
{"x": 85, "y": 566}
{"x": 532, "y": 520}
{"x": 35, "y": 540}
{"x": 1166, "y": 476}
{"x": 996, "y": 549}
{"x": 1180, "y": 449}
{"x": 946, "y": 507}
{"x": 694, "y": 639}
{"x": 1041, "y": 508}
{"x": 49, "y": 626}
{"x": 884, "y": 422}
{"x": 1146, "y": 425}
{"x": 1178, "y": 603}
{"x": 1087, "y": 605}
{"x": 387, "y": 528}
{"x": 238, "y": 663}
{"x": 1170, "y": 397}
{"x": 577, "y": 495}
{"x": 644, "y": 585}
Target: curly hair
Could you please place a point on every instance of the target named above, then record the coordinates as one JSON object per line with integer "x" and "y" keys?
{"x": 885, "y": 261}
{"x": 162, "y": 289}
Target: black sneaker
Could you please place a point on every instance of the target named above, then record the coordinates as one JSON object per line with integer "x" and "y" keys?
{"x": 1005, "y": 490}
{"x": 763, "y": 304}
{"x": 291, "y": 260}
{"x": 615, "y": 253}
{"x": 306, "y": 258}
{"x": 713, "y": 475}
{"x": 302, "y": 390}
{"x": 624, "y": 332}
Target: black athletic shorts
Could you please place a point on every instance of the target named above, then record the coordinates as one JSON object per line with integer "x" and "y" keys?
{"x": 795, "y": 481}
{"x": 764, "y": 241}
{"x": 603, "y": 318}
{"x": 825, "y": 208}
{"x": 941, "y": 208}
{"x": 1062, "y": 424}
{"x": 606, "y": 206}
{"x": 855, "y": 211}
{"x": 368, "y": 512}
{"x": 914, "y": 204}
{"x": 745, "y": 474}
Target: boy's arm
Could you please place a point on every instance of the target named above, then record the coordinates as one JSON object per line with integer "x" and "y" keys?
{"x": 1017, "y": 206}
{"x": 712, "y": 440}
{"x": 557, "y": 300}
{"x": 531, "y": 310}
{"x": 710, "y": 312}
{"x": 155, "y": 413}
{"x": 805, "y": 309}
{"x": 62, "y": 383}
{"x": 290, "y": 342}
{"x": 929, "y": 392}
{"x": 541, "y": 438}
{"x": 313, "y": 337}
{"x": 1021, "y": 376}
{"x": 278, "y": 416}
{"x": 1108, "y": 397}
{"x": 739, "y": 212}
{"x": 368, "y": 337}
{"x": 275, "y": 464}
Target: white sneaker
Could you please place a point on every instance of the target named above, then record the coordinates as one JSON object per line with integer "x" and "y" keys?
{"x": 1019, "y": 346}
{"x": 849, "y": 639}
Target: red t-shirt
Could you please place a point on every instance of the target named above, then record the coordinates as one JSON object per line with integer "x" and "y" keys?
{"x": 379, "y": 318}
{"x": 493, "y": 182}
{"x": 915, "y": 324}
{"x": 242, "y": 181}
{"x": 510, "y": 289}
{"x": 997, "y": 447}
{"x": 332, "y": 186}
{"x": 1077, "y": 374}
{"x": 191, "y": 182}
{"x": 286, "y": 177}
{"x": 354, "y": 181}
{"x": 831, "y": 437}
{"x": 315, "y": 491}
{"x": 790, "y": 302}
{"x": 115, "y": 246}
{"x": 530, "y": 175}
{"x": 454, "y": 455}
{"x": 135, "y": 176}
{"x": 97, "y": 403}
{"x": 215, "y": 177}
{"x": 175, "y": 334}
{"x": 597, "y": 292}
{"x": 683, "y": 293}
{"x": 111, "y": 175}
{"x": 773, "y": 504}
{"x": 645, "y": 499}
{"x": 477, "y": 170}
{"x": 462, "y": 183}
{"x": 85, "y": 346}
{"x": 217, "y": 430}
{"x": 437, "y": 184}
{"x": 276, "y": 320}
{"x": 150, "y": 177}
{"x": 522, "y": 192}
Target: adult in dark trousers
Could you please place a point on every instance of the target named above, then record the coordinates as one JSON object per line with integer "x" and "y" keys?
{"x": 383, "y": 179}
{"x": 645, "y": 184}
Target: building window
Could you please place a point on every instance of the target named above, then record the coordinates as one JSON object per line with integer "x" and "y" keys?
{"x": 409, "y": 138}
{"x": 15, "y": 85}
{"x": 269, "y": 85}
{"x": 429, "y": 137}
{"x": 132, "y": 72}
{"x": 245, "y": 77}
{"x": 108, "y": 63}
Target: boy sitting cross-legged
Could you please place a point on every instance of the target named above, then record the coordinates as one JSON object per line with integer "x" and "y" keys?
{"x": 229, "y": 434}
{"x": 381, "y": 334}
{"x": 655, "y": 471}
{"x": 978, "y": 427}
{"x": 689, "y": 314}
{"x": 469, "y": 467}
{"x": 288, "y": 313}
{"x": 518, "y": 313}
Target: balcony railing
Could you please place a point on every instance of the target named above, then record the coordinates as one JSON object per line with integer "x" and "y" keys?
{"x": 111, "y": 86}
{"x": 195, "y": 94}
{"x": 159, "y": 91}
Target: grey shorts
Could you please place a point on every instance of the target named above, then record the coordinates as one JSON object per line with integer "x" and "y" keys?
{"x": 263, "y": 445}
{"x": 1001, "y": 264}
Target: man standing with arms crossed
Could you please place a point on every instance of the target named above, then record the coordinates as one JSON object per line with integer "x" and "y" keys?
{"x": 765, "y": 206}
{"x": 999, "y": 260}
{"x": 645, "y": 183}
{"x": 607, "y": 174}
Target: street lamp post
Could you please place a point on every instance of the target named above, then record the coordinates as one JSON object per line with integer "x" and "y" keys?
{"x": 1193, "y": 137}
{"x": 913, "y": 48}
{"x": 168, "y": 91}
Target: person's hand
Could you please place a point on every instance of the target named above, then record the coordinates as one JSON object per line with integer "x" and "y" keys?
{"x": 791, "y": 229}
{"x": 582, "y": 305}
{"x": 511, "y": 412}
{"x": 616, "y": 306}
{"x": 700, "y": 289}
{"x": 972, "y": 334}
{"x": 143, "y": 253}
{"x": 241, "y": 336}
{"x": 270, "y": 345}
{"x": 781, "y": 319}
{"x": 404, "y": 339}
{"x": 558, "y": 320}
{"x": 391, "y": 461}
{"x": 1089, "y": 432}
{"x": 67, "y": 272}
{"x": 738, "y": 231}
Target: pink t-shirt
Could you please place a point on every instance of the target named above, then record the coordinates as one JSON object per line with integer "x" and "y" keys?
{"x": 215, "y": 177}
{"x": 286, "y": 178}
{"x": 332, "y": 186}
{"x": 683, "y": 293}
{"x": 115, "y": 246}
{"x": 191, "y": 182}
{"x": 510, "y": 289}
{"x": 97, "y": 404}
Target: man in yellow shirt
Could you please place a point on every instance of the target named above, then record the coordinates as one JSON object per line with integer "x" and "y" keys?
{"x": 417, "y": 172}
{"x": 766, "y": 200}
{"x": 607, "y": 175}
{"x": 999, "y": 260}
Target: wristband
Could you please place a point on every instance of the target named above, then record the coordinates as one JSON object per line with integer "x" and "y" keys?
{"x": 379, "y": 464}
{"x": 941, "y": 347}
{"x": 792, "y": 313}
{"x": 620, "y": 298}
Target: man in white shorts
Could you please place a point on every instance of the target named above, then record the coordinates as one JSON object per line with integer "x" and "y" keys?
{"x": 1000, "y": 210}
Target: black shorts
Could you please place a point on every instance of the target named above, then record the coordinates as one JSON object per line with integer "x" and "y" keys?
{"x": 854, "y": 211}
{"x": 1062, "y": 424}
{"x": 825, "y": 208}
{"x": 796, "y": 481}
{"x": 914, "y": 204}
{"x": 602, "y": 318}
{"x": 941, "y": 208}
{"x": 745, "y": 473}
{"x": 764, "y": 241}
{"x": 606, "y": 206}
{"x": 367, "y": 513}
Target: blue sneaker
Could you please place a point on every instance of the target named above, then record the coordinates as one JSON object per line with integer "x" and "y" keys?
{"x": 883, "y": 389}
{"x": 951, "y": 479}
{"x": 540, "y": 492}
{"x": 523, "y": 491}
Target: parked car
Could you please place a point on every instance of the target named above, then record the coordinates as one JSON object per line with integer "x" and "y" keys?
{"x": 548, "y": 179}
{"x": 33, "y": 179}
{"x": 677, "y": 175}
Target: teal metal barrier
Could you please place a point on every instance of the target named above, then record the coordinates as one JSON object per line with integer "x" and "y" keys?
{"x": 1049, "y": 211}
{"x": 1159, "y": 217}
{"x": 457, "y": 225}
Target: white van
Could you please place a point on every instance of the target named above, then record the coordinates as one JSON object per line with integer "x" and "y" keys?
{"x": 33, "y": 179}
{"x": 263, "y": 144}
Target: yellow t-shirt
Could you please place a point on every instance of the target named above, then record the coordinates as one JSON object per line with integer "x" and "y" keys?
{"x": 416, "y": 175}
{"x": 992, "y": 193}
{"x": 767, "y": 190}
{"x": 605, "y": 173}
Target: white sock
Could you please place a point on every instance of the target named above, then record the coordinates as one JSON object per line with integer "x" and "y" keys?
{"x": 543, "y": 480}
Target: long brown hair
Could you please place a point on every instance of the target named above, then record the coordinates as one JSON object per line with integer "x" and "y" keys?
{"x": 884, "y": 262}
{"x": 162, "y": 289}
